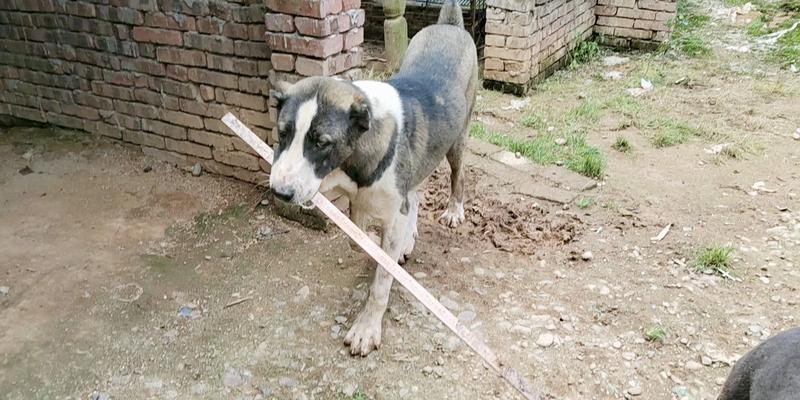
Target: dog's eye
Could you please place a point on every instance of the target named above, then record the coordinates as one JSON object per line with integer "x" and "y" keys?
{"x": 323, "y": 141}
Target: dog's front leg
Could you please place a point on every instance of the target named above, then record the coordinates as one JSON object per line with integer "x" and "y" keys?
{"x": 365, "y": 335}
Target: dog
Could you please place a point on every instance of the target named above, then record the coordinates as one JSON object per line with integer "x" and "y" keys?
{"x": 770, "y": 371}
{"x": 377, "y": 142}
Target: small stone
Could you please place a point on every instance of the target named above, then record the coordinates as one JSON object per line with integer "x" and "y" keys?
{"x": 349, "y": 389}
{"x": 340, "y": 261}
{"x": 635, "y": 390}
{"x": 613, "y": 76}
{"x": 208, "y": 258}
{"x": 764, "y": 280}
{"x": 706, "y": 360}
{"x": 680, "y": 391}
{"x": 796, "y": 134}
{"x": 100, "y": 396}
{"x": 153, "y": 387}
{"x": 287, "y": 382}
{"x": 340, "y": 319}
{"x": 587, "y": 256}
{"x": 719, "y": 381}
{"x": 4, "y": 290}
{"x": 147, "y": 169}
{"x": 427, "y": 370}
{"x": 302, "y": 294}
{"x": 617, "y": 345}
{"x": 449, "y": 303}
{"x": 232, "y": 378}
{"x": 628, "y": 356}
{"x": 199, "y": 389}
{"x": 693, "y": 365}
{"x": 264, "y": 232}
{"x": 561, "y": 141}
{"x": 611, "y": 61}
{"x": 265, "y": 202}
{"x": 466, "y": 316}
{"x": 420, "y": 275}
{"x": 197, "y": 169}
{"x": 581, "y": 95}
{"x": 545, "y": 340}
{"x": 479, "y": 271}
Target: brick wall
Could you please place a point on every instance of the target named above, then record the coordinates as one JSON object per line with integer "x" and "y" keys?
{"x": 634, "y": 23}
{"x": 527, "y": 40}
{"x": 155, "y": 73}
{"x": 313, "y": 37}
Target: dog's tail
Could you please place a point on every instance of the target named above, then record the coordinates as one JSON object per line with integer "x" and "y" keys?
{"x": 451, "y": 14}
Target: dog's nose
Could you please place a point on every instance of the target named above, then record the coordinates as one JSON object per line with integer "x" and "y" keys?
{"x": 285, "y": 194}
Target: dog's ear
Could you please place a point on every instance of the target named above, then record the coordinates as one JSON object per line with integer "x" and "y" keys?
{"x": 281, "y": 92}
{"x": 359, "y": 113}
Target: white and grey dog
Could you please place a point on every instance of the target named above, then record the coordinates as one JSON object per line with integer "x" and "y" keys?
{"x": 378, "y": 141}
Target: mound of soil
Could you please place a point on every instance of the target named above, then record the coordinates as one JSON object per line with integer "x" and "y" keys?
{"x": 520, "y": 226}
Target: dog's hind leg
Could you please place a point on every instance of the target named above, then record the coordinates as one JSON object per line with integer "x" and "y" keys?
{"x": 365, "y": 334}
{"x": 454, "y": 214}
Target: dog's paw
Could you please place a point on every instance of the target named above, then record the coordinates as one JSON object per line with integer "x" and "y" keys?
{"x": 364, "y": 336}
{"x": 454, "y": 215}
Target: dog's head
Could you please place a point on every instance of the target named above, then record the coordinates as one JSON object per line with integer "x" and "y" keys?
{"x": 319, "y": 122}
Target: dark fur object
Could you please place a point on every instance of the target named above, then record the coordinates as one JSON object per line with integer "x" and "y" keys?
{"x": 771, "y": 371}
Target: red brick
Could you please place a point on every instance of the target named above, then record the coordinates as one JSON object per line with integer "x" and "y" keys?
{"x": 143, "y": 65}
{"x": 657, "y": 5}
{"x": 256, "y": 32}
{"x": 160, "y": 36}
{"x": 353, "y": 38}
{"x": 184, "y": 147}
{"x": 203, "y": 109}
{"x": 255, "y": 118}
{"x": 210, "y": 25}
{"x": 348, "y": 5}
{"x": 283, "y": 62}
{"x": 236, "y": 158}
{"x": 606, "y": 11}
{"x": 220, "y": 79}
{"x": 254, "y": 85}
{"x": 279, "y": 22}
{"x": 307, "y": 8}
{"x": 143, "y": 138}
{"x": 633, "y": 33}
{"x": 177, "y": 72}
{"x": 651, "y": 25}
{"x": 170, "y": 21}
{"x": 80, "y": 111}
{"x": 206, "y": 93}
{"x": 306, "y": 46}
{"x": 212, "y": 139}
{"x": 318, "y": 27}
{"x": 171, "y": 55}
{"x": 251, "y": 49}
{"x": 636, "y": 14}
{"x": 135, "y": 109}
{"x": 235, "y": 98}
{"x": 615, "y": 22}
{"x": 329, "y": 66}
{"x": 235, "y": 31}
{"x": 80, "y": 8}
{"x": 106, "y": 90}
{"x": 104, "y": 129}
{"x": 182, "y": 119}
{"x": 96, "y": 102}
{"x": 240, "y": 66}
{"x": 211, "y": 43}
{"x": 164, "y": 129}
{"x": 143, "y": 5}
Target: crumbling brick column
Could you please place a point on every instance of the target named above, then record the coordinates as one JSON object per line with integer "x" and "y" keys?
{"x": 634, "y": 23}
{"x": 312, "y": 38}
{"x": 512, "y": 41}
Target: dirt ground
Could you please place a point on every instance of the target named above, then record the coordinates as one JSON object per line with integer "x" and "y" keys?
{"x": 122, "y": 277}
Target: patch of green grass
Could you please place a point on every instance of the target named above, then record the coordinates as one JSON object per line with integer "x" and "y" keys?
{"x": 584, "y": 203}
{"x": 787, "y": 50}
{"x": 625, "y": 105}
{"x": 715, "y": 259}
{"x": 533, "y": 121}
{"x": 685, "y": 38}
{"x": 735, "y": 3}
{"x": 791, "y": 6}
{"x": 655, "y": 334}
{"x": 758, "y": 27}
{"x": 205, "y": 221}
{"x": 672, "y": 132}
{"x": 358, "y": 395}
{"x": 576, "y": 154}
{"x": 584, "y": 53}
{"x": 587, "y": 111}
{"x": 622, "y": 145}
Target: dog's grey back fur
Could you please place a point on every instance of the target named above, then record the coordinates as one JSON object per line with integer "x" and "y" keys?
{"x": 771, "y": 371}
{"x": 438, "y": 82}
